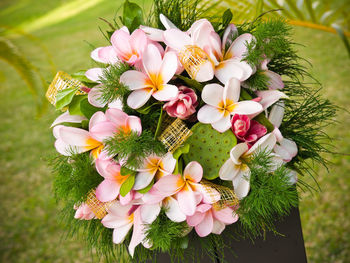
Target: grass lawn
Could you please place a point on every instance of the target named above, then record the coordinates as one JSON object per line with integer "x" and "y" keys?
{"x": 29, "y": 229}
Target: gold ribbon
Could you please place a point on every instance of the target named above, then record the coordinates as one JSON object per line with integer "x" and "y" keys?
{"x": 62, "y": 81}
{"x": 99, "y": 208}
{"x": 228, "y": 197}
{"x": 175, "y": 135}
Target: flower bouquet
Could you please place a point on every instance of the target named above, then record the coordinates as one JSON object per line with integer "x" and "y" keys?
{"x": 185, "y": 126}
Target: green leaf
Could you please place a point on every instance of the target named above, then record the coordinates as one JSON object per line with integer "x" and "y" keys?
{"x": 65, "y": 97}
{"x": 191, "y": 83}
{"x": 261, "y": 118}
{"x": 80, "y": 75}
{"x": 147, "y": 108}
{"x": 126, "y": 171}
{"x": 74, "y": 106}
{"x": 226, "y": 18}
{"x": 146, "y": 189}
{"x": 87, "y": 109}
{"x": 132, "y": 15}
{"x": 85, "y": 124}
{"x": 182, "y": 150}
{"x": 127, "y": 185}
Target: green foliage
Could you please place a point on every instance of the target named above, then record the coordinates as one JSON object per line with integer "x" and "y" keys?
{"x": 65, "y": 97}
{"x": 183, "y": 13}
{"x": 87, "y": 109}
{"x": 112, "y": 88}
{"x": 75, "y": 105}
{"x": 127, "y": 185}
{"x": 271, "y": 196}
{"x": 133, "y": 147}
{"x": 258, "y": 81}
{"x": 132, "y": 15}
{"x": 210, "y": 148}
{"x": 163, "y": 232}
{"x": 75, "y": 176}
{"x": 271, "y": 38}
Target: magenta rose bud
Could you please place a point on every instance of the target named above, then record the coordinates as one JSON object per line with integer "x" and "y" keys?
{"x": 184, "y": 105}
{"x": 247, "y": 130}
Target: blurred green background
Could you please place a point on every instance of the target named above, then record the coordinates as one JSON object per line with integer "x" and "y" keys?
{"x": 29, "y": 226}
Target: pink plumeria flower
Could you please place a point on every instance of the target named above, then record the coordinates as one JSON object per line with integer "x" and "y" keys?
{"x": 275, "y": 80}
{"x": 222, "y": 102}
{"x": 154, "y": 167}
{"x": 285, "y": 148}
{"x": 197, "y": 37}
{"x": 75, "y": 140}
{"x": 108, "y": 189}
{"x": 184, "y": 105}
{"x": 207, "y": 220}
{"x": 227, "y": 55}
{"x": 154, "y": 81}
{"x": 156, "y": 34}
{"x": 247, "y": 130}
{"x": 270, "y": 97}
{"x": 94, "y": 98}
{"x": 122, "y": 219}
{"x": 115, "y": 120}
{"x": 84, "y": 212}
{"x": 66, "y": 117}
{"x": 235, "y": 170}
{"x": 185, "y": 187}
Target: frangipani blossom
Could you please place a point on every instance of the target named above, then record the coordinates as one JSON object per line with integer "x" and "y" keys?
{"x": 154, "y": 81}
{"x": 156, "y": 34}
{"x": 190, "y": 47}
{"x": 185, "y": 187}
{"x": 222, "y": 102}
{"x": 108, "y": 189}
{"x": 236, "y": 170}
{"x": 84, "y": 212}
{"x": 227, "y": 55}
{"x": 66, "y": 117}
{"x": 154, "y": 167}
{"x": 122, "y": 219}
{"x": 285, "y": 148}
{"x": 75, "y": 140}
{"x": 207, "y": 220}
{"x": 275, "y": 80}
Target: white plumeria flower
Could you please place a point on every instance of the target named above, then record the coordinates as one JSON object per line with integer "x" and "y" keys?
{"x": 156, "y": 34}
{"x": 154, "y": 167}
{"x": 285, "y": 148}
{"x": 222, "y": 102}
{"x": 235, "y": 170}
{"x": 152, "y": 82}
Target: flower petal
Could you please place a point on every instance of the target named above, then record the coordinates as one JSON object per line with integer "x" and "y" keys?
{"x": 209, "y": 114}
{"x": 287, "y": 149}
{"x": 228, "y": 170}
{"x": 94, "y": 97}
{"x": 168, "y": 66}
{"x": 248, "y": 107}
{"x": 230, "y": 33}
{"x": 168, "y": 163}
{"x": 239, "y": 46}
{"x": 103, "y": 130}
{"x": 166, "y": 22}
{"x": 205, "y": 227}
{"x": 134, "y": 79}
{"x": 154, "y": 34}
{"x": 213, "y": 94}
{"x": 167, "y": 92}
{"x": 138, "y": 41}
{"x": 120, "y": 233}
{"x": 193, "y": 171}
{"x": 107, "y": 191}
{"x": 98, "y": 117}
{"x": 275, "y": 80}
{"x": 276, "y": 114}
{"x": 170, "y": 184}
{"x": 269, "y": 97}
{"x": 232, "y": 90}
{"x": 176, "y": 39}
{"x": 152, "y": 60}
{"x": 173, "y": 210}
{"x": 196, "y": 219}
{"x": 137, "y": 232}
{"x": 134, "y": 123}
{"x": 265, "y": 143}
{"x": 94, "y": 74}
{"x": 186, "y": 199}
{"x": 218, "y": 227}
{"x": 138, "y": 98}
{"x": 223, "y": 124}
{"x": 149, "y": 213}
{"x": 74, "y": 136}
{"x": 143, "y": 179}
{"x": 241, "y": 184}
{"x": 226, "y": 215}
{"x": 66, "y": 117}
{"x": 237, "y": 151}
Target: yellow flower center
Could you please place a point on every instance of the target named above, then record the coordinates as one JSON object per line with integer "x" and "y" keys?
{"x": 227, "y": 107}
